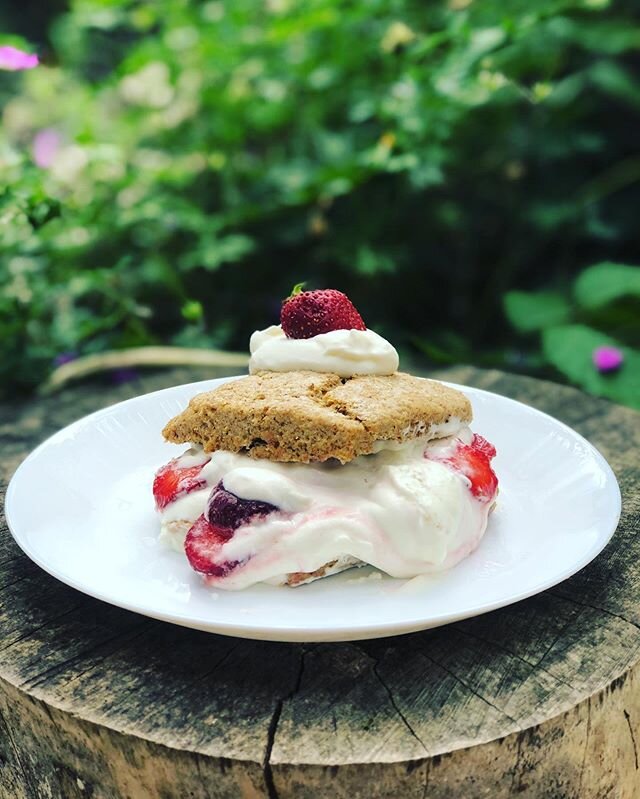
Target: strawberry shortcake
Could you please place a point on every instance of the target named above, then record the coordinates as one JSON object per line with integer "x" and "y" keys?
{"x": 325, "y": 457}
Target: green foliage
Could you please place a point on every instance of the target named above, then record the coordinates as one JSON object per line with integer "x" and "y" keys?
{"x": 603, "y": 283}
{"x": 570, "y": 348}
{"x": 529, "y": 312}
{"x": 425, "y": 158}
{"x": 606, "y": 298}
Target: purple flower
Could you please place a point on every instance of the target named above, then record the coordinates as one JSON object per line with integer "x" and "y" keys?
{"x": 13, "y": 59}
{"x": 45, "y": 146}
{"x": 123, "y": 375}
{"x": 64, "y": 357}
{"x": 607, "y": 359}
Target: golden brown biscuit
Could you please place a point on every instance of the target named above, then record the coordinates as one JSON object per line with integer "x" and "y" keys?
{"x": 313, "y": 416}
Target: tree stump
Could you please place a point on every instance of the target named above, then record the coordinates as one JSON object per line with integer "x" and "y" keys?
{"x": 539, "y": 699}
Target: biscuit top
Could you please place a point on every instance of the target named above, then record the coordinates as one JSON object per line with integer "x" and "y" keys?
{"x": 304, "y": 416}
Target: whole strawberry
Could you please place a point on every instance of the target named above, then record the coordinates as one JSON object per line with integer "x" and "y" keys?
{"x": 307, "y": 313}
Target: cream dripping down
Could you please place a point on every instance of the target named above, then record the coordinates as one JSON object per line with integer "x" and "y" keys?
{"x": 397, "y": 510}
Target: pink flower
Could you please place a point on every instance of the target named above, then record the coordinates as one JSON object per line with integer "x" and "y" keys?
{"x": 45, "y": 146}
{"x": 13, "y": 59}
{"x": 607, "y": 359}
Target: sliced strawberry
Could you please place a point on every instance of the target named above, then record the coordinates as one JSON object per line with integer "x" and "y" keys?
{"x": 202, "y": 547}
{"x": 482, "y": 445}
{"x": 172, "y": 481}
{"x": 474, "y": 462}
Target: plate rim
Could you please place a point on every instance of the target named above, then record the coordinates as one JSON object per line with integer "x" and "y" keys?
{"x": 320, "y": 634}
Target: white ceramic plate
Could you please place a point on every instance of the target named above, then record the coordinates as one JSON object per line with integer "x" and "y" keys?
{"x": 81, "y": 507}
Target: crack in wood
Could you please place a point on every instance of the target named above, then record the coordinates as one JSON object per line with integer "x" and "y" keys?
{"x": 633, "y": 738}
{"x": 586, "y": 748}
{"x": 152, "y": 713}
{"x": 533, "y": 665}
{"x": 26, "y": 776}
{"x": 34, "y": 630}
{"x": 487, "y": 640}
{"x": 205, "y": 675}
{"x": 516, "y": 767}
{"x": 272, "y": 792}
{"x": 33, "y": 572}
{"x": 127, "y": 638}
{"x": 405, "y": 721}
{"x": 565, "y": 627}
{"x": 18, "y": 556}
{"x": 596, "y": 607}
{"x": 427, "y": 774}
{"x": 473, "y": 691}
{"x": 50, "y": 716}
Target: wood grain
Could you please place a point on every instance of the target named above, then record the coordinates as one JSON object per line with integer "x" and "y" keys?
{"x": 540, "y": 699}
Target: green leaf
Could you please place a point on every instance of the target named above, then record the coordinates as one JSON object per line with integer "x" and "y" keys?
{"x": 603, "y": 283}
{"x": 484, "y": 40}
{"x": 611, "y": 36}
{"x": 192, "y": 310}
{"x": 436, "y": 353}
{"x": 214, "y": 252}
{"x": 612, "y": 78}
{"x": 39, "y": 211}
{"x": 368, "y": 261}
{"x": 528, "y": 312}
{"x": 570, "y": 349}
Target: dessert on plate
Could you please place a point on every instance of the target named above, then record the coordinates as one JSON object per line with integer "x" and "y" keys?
{"x": 323, "y": 458}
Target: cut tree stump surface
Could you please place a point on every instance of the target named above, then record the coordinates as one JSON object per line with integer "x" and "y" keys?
{"x": 539, "y": 699}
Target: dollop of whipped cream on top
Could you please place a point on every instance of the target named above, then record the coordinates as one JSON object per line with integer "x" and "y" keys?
{"x": 343, "y": 352}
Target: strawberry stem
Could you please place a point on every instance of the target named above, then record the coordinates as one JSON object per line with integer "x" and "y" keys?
{"x": 297, "y": 289}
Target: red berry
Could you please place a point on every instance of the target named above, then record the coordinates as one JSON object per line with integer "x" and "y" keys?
{"x": 474, "y": 462}
{"x": 482, "y": 445}
{"x": 312, "y": 312}
{"x": 225, "y": 509}
{"x": 171, "y": 481}
{"x": 202, "y": 547}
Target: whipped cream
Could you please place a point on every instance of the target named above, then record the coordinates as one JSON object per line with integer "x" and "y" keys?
{"x": 396, "y": 510}
{"x": 343, "y": 352}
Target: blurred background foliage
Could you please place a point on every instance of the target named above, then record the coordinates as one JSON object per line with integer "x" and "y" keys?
{"x": 468, "y": 171}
